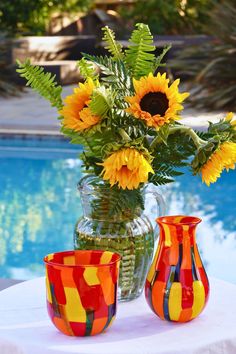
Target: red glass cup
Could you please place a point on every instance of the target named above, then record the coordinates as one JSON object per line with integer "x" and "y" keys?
{"x": 82, "y": 290}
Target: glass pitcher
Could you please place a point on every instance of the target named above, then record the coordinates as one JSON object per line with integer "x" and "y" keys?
{"x": 107, "y": 225}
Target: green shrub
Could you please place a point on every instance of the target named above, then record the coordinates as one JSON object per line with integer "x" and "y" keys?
{"x": 7, "y": 71}
{"x": 31, "y": 17}
{"x": 170, "y": 16}
{"x": 211, "y": 68}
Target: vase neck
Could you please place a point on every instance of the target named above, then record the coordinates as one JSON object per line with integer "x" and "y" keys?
{"x": 178, "y": 229}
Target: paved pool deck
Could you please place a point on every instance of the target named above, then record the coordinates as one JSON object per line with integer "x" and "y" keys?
{"x": 30, "y": 114}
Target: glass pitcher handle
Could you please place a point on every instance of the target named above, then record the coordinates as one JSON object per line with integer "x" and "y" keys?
{"x": 161, "y": 207}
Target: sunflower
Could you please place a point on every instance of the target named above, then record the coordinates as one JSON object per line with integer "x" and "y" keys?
{"x": 222, "y": 158}
{"x": 155, "y": 101}
{"x": 229, "y": 118}
{"x": 76, "y": 113}
{"x": 126, "y": 167}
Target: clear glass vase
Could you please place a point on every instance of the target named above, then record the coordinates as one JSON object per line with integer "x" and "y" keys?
{"x": 109, "y": 223}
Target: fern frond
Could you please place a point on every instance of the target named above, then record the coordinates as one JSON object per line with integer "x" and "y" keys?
{"x": 163, "y": 173}
{"x": 113, "y": 47}
{"x": 115, "y": 75}
{"x": 158, "y": 60}
{"x": 125, "y": 201}
{"x": 86, "y": 69}
{"x": 139, "y": 55}
{"x": 159, "y": 180}
{"x": 167, "y": 171}
{"x": 103, "y": 62}
{"x": 118, "y": 202}
{"x": 101, "y": 102}
{"x": 41, "y": 82}
{"x": 75, "y": 138}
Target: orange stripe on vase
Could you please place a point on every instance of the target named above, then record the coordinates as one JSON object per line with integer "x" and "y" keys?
{"x": 98, "y": 325}
{"x": 67, "y": 278}
{"x": 158, "y": 291}
{"x": 107, "y": 285}
{"x": 83, "y": 257}
{"x": 187, "y": 260}
{"x": 62, "y": 326}
{"x": 197, "y": 257}
{"x": 174, "y": 248}
{"x": 185, "y": 315}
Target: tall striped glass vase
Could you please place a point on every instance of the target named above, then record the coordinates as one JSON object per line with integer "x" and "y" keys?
{"x": 177, "y": 286}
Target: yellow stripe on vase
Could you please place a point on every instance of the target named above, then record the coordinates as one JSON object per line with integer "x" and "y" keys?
{"x": 74, "y": 310}
{"x": 153, "y": 266}
{"x": 198, "y": 298}
{"x": 48, "y": 289}
{"x": 167, "y": 235}
{"x": 175, "y": 301}
{"x": 178, "y": 219}
{"x": 69, "y": 260}
{"x": 90, "y": 276}
{"x": 106, "y": 257}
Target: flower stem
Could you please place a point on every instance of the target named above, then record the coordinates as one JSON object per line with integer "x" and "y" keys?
{"x": 181, "y": 129}
{"x": 190, "y": 132}
{"x": 88, "y": 144}
{"x": 124, "y": 135}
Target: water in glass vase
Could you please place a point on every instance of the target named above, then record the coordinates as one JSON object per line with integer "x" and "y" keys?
{"x": 114, "y": 219}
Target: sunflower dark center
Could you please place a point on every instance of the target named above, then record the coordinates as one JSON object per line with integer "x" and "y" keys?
{"x": 154, "y": 103}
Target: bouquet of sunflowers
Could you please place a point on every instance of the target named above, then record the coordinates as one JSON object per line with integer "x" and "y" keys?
{"x": 126, "y": 115}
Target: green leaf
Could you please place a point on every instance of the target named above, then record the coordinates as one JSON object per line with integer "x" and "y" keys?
{"x": 139, "y": 56}
{"x": 159, "y": 180}
{"x": 41, "y": 82}
{"x": 158, "y": 60}
{"x": 112, "y": 45}
{"x": 87, "y": 69}
{"x": 102, "y": 101}
{"x": 163, "y": 133}
{"x": 125, "y": 201}
{"x": 115, "y": 74}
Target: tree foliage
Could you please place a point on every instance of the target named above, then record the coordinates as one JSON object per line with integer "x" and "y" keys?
{"x": 172, "y": 16}
{"x": 31, "y": 17}
{"x": 211, "y": 68}
{"x": 41, "y": 82}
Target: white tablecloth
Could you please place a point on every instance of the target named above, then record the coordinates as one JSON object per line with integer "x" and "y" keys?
{"x": 26, "y": 329}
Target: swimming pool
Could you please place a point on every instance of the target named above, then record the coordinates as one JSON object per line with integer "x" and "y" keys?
{"x": 39, "y": 206}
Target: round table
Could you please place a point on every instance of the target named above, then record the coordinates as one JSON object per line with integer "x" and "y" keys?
{"x": 26, "y": 329}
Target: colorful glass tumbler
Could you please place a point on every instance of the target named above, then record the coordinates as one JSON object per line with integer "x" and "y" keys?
{"x": 82, "y": 290}
{"x": 177, "y": 286}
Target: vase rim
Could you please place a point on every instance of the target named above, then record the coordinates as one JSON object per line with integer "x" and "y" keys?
{"x": 47, "y": 259}
{"x": 97, "y": 183}
{"x": 178, "y": 220}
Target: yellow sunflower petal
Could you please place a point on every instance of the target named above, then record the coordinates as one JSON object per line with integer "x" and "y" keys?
{"x": 223, "y": 158}
{"x": 76, "y": 114}
{"x": 127, "y": 168}
{"x": 155, "y": 101}
{"x": 229, "y": 116}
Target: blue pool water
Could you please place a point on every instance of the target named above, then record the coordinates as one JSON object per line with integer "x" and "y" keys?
{"x": 39, "y": 206}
